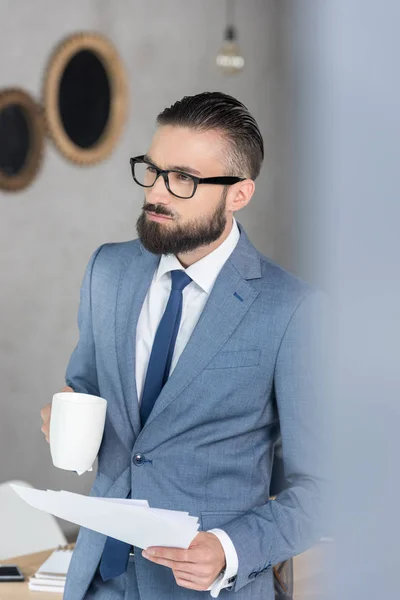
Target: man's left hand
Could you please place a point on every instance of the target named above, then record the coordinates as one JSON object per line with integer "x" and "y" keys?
{"x": 195, "y": 568}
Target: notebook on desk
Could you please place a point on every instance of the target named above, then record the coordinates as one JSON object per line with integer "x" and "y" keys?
{"x": 51, "y": 575}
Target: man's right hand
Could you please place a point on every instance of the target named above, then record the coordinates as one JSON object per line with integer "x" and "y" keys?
{"x": 45, "y": 413}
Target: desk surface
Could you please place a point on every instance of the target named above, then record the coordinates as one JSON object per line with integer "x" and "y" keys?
{"x": 307, "y": 567}
{"x": 19, "y": 589}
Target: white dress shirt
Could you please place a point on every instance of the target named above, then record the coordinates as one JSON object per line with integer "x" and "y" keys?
{"x": 204, "y": 273}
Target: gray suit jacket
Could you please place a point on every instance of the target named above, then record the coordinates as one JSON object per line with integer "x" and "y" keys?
{"x": 246, "y": 376}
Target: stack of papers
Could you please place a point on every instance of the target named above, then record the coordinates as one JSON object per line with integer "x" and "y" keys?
{"x": 51, "y": 576}
{"x": 131, "y": 521}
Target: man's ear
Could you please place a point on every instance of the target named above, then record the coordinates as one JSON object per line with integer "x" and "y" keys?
{"x": 240, "y": 194}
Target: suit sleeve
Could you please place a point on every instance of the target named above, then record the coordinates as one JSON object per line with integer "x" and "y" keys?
{"x": 81, "y": 373}
{"x": 294, "y": 520}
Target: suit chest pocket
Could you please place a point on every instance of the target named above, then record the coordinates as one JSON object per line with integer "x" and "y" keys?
{"x": 235, "y": 359}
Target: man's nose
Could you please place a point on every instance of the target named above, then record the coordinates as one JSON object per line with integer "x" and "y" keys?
{"x": 159, "y": 192}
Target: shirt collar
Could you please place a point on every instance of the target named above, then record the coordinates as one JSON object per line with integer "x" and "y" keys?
{"x": 205, "y": 271}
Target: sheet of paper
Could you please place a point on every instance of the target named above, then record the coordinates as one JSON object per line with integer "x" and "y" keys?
{"x": 56, "y": 566}
{"x": 173, "y": 514}
{"x": 128, "y": 501}
{"x": 135, "y": 524}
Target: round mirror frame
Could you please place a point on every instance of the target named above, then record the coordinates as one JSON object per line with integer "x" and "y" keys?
{"x": 34, "y": 116}
{"x": 112, "y": 64}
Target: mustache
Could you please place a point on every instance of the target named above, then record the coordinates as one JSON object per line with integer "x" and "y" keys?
{"x": 157, "y": 210}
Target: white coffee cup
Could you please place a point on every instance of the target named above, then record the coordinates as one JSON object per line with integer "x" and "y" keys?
{"x": 76, "y": 430}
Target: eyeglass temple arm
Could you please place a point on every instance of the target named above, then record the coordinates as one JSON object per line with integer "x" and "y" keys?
{"x": 221, "y": 180}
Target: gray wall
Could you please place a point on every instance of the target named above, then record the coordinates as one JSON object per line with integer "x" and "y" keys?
{"x": 48, "y": 231}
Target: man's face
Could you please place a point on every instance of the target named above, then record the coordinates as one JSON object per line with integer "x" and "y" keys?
{"x": 194, "y": 222}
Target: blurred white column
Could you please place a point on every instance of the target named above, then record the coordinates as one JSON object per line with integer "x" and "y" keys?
{"x": 345, "y": 181}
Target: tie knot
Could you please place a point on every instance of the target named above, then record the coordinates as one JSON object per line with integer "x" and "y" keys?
{"x": 179, "y": 279}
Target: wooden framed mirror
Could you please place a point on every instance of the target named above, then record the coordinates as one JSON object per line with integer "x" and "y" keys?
{"x": 21, "y": 139}
{"x": 85, "y": 97}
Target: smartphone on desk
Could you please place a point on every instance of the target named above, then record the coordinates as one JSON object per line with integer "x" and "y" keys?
{"x": 10, "y": 573}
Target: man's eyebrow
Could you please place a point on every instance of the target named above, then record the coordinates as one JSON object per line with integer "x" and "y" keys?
{"x": 186, "y": 170}
{"x": 148, "y": 158}
{"x": 183, "y": 168}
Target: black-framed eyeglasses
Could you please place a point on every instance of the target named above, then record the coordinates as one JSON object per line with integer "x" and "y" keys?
{"x": 178, "y": 183}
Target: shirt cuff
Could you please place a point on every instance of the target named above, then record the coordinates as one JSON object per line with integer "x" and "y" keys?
{"x": 227, "y": 578}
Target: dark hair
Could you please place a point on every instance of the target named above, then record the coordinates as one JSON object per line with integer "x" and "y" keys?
{"x": 215, "y": 110}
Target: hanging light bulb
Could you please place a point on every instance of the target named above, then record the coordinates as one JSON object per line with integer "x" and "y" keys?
{"x": 229, "y": 58}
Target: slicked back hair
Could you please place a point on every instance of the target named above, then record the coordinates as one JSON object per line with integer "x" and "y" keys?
{"x": 220, "y": 112}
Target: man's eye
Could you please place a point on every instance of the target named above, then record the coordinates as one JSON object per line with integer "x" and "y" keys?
{"x": 183, "y": 177}
{"x": 151, "y": 170}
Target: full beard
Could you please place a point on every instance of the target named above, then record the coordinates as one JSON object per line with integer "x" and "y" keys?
{"x": 158, "y": 238}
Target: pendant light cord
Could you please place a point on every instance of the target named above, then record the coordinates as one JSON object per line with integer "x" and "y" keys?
{"x": 230, "y": 9}
{"x": 230, "y": 30}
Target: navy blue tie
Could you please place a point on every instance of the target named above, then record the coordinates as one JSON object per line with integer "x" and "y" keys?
{"x": 116, "y": 553}
{"x": 163, "y": 345}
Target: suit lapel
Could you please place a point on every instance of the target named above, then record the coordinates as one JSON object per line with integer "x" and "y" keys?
{"x": 221, "y": 315}
{"x": 136, "y": 276}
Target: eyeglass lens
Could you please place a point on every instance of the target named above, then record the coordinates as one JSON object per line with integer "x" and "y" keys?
{"x": 180, "y": 184}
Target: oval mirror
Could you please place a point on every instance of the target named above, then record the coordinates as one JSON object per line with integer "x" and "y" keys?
{"x": 85, "y": 98}
{"x": 21, "y": 139}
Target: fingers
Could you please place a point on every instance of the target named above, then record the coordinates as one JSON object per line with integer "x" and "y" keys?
{"x": 45, "y": 413}
{"x": 185, "y": 569}
{"x": 45, "y": 430}
{"x": 181, "y": 555}
{"x": 192, "y": 583}
{"x": 193, "y": 568}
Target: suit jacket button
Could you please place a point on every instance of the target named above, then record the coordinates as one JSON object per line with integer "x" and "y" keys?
{"x": 138, "y": 460}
